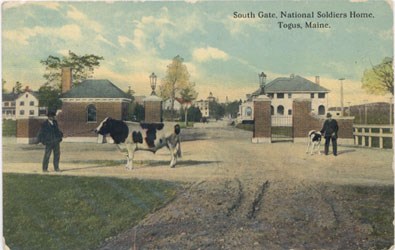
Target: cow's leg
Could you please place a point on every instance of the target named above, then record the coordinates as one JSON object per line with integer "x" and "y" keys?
{"x": 131, "y": 148}
{"x": 173, "y": 153}
{"x": 319, "y": 151}
{"x": 308, "y": 146}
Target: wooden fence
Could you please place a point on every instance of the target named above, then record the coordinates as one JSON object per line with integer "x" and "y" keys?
{"x": 369, "y": 135}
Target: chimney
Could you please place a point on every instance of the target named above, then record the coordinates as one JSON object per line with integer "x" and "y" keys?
{"x": 317, "y": 80}
{"x": 66, "y": 79}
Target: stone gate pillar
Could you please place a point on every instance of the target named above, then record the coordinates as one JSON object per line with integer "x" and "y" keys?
{"x": 262, "y": 120}
{"x": 27, "y": 129}
{"x": 153, "y": 109}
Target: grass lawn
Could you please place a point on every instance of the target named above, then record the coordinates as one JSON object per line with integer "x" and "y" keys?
{"x": 66, "y": 212}
{"x": 9, "y": 127}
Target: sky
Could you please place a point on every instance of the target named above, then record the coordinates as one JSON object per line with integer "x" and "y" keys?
{"x": 225, "y": 44}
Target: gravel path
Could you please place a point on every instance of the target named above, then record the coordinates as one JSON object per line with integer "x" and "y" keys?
{"x": 239, "y": 195}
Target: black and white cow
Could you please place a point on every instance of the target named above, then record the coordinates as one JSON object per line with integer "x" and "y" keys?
{"x": 314, "y": 138}
{"x": 144, "y": 136}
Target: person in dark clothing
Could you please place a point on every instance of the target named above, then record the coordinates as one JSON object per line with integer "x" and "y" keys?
{"x": 50, "y": 136}
{"x": 329, "y": 131}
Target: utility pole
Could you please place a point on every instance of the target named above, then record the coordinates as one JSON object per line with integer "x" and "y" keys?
{"x": 341, "y": 96}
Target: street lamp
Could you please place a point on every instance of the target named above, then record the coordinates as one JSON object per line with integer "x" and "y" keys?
{"x": 262, "y": 81}
{"x": 341, "y": 96}
{"x": 152, "y": 79}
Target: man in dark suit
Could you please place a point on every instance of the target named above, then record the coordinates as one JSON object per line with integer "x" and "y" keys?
{"x": 329, "y": 131}
{"x": 50, "y": 136}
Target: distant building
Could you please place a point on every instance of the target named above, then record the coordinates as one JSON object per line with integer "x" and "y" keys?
{"x": 203, "y": 106}
{"x": 8, "y": 105}
{"x": 26, "y": 105}
{"x": 283, "y": 91}
{"x": 166, "y": 105}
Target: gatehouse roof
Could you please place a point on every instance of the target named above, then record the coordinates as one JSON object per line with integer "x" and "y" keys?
{"x": 95, "y": 88}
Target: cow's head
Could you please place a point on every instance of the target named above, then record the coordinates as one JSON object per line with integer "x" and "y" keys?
{"x": 177, "y": 129}
{"x": 104, "y": 127}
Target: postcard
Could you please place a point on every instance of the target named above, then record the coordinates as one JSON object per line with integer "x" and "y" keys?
{"x": 197, "y": 124}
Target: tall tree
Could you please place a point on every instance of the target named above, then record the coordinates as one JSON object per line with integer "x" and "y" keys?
{"x": 188, "y": 94}
{"x": 379, "y": 79}
{"x": 176, "y": 79}
{"x": 82, "y": 67}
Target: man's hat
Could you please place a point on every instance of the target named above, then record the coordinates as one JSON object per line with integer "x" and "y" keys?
{"x": 328, "y": 115}
{"x": 51, "y": 113}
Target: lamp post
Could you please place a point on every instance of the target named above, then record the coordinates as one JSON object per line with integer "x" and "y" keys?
{"x": 341, "y": 96}
{"x": 152, "y": 79}
{"x": 262, "y": 82}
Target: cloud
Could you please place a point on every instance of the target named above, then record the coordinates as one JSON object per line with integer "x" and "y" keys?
{"x": 14, "y": 4}
{"x": 102, "y": 39}
{"x": 209, "y": 53}
{"x": 74, "y": 14}
{"x": 123, "y": 41}
{"x": 22, "y": 36}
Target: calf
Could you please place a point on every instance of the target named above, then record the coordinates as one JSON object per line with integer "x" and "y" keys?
{"x": 314, "y": 138}
{"x": 155, "y": 138}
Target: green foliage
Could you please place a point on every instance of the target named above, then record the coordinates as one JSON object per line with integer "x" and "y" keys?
{"x": 232, "y": 108}
{"x": 66, "y": 212}
{"x": 194, "y": 114}
{"x": 82, "y": 67}
{"x": 216, "y": 110}
{"x": 48, "y": 96}
{"x": 18, "y": 87}
{"x": 379, "y": 79}
{"x": 139, "y": 113}
{"x": 9, "y": 127}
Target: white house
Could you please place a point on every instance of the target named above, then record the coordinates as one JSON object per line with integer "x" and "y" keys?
{"x": 203, "y": 106}
{"x": 8, "y": 105}
{"x": 283, "y": 91}
{"x": 166, "y": 105}
{"x": 26, "y": 105}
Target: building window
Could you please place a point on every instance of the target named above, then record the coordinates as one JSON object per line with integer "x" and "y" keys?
{"x": 271, "y": 110}
{"x": 289, "y": 95}
{"x": 312, "y": 95}
{"x": 321, "y": 110}
{"x": 22, "y": 103}
{"x": 280, "y": 95}
{"x": 248, "y": 111}
{"x": 289, "y": 111}
{"x": 31, "y": 103}
{"x": 280, "y": 110}
{"x": 270, "y": 95}
{"x": 91, "y": 113}
{"x": 321, "y": 95}
{"x": 6, "y": 104}
{"x": 22, "y": 112}
{"x": 31, "y": 112}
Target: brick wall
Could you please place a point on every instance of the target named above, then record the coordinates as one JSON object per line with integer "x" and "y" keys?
{"x": 73, "y": 121}
{"x": 262, "y": 120}
{"x": 27, "y": 129}
{"x": 304, "y": 121}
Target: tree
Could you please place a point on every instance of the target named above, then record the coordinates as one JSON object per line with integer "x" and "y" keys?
{"x": 17, "y": 88}
{"x": 216, "y": 110}
{"x": 82, "y": 67}
{"x": 188, "y": 94}
{"x": 48, "y": 96}
{"x": 176, "y": 79}
{"x": 3, "y": 89}
{"x": 233, "y": 108}
{"x": 379, "y": 79}
{"x": 194, "y": 114}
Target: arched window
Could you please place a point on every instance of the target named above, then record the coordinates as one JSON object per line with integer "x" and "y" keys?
{"x": 321, "y": 110}
{"x": 248, "y": 111}
{"x": 280, "y": 110}
{"x": 91, "y": 113}
{"x": 271, "y": 110}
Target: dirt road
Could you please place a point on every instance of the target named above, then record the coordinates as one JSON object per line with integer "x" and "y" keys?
{"x": 246, "y": 196}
